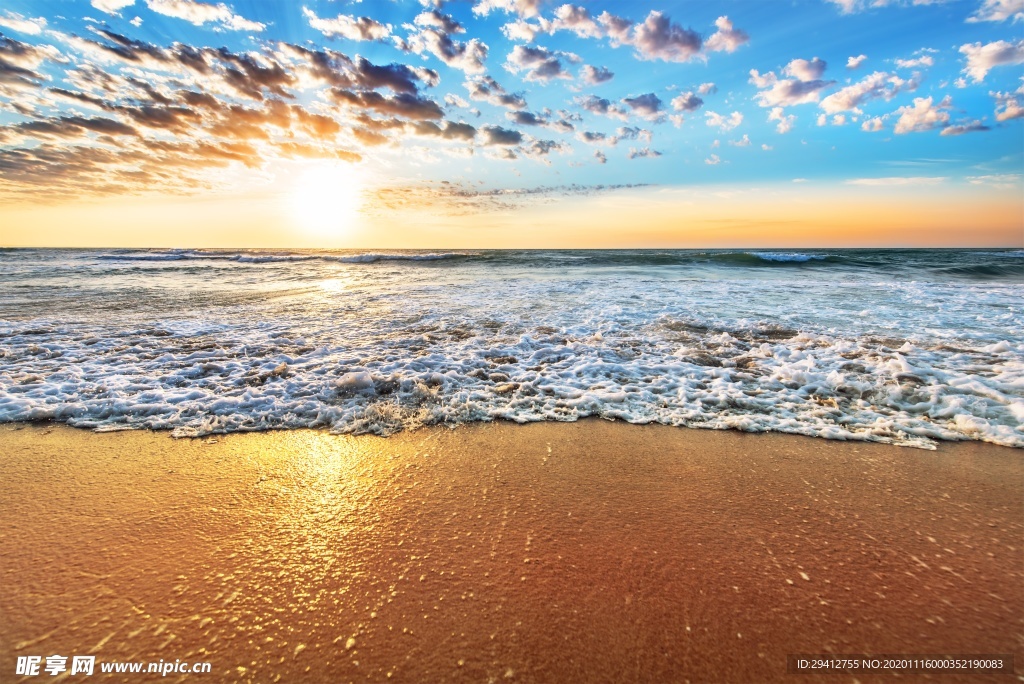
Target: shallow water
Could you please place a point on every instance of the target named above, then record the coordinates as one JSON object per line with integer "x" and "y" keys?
{"x": 903, "y": 346}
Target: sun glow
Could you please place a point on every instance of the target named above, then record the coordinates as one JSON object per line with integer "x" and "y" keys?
{"x": 325, "y": 200}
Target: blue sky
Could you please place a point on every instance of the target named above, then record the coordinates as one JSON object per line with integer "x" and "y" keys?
{"x": 106, "y": 98}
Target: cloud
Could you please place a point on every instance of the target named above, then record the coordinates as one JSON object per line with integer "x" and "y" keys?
{"x": 596, "y": 138}
{"x": 897, "y": 180}
{"x": 348, "y": 27}
{"x": 852, "y": 6}
{"x": 804, "y": 88}
{"x": 982, "y": 58}
{"x": 111, "y": 6}
{"x": 17, "y": 22}
{"x": 647, "y": 105}
{"x": 496, "y": 135}
{"x": 806, "y": 70}
{"x": 742, "y": 142}
{"x": 401, "y": 104}
{"x": 872, "y": 125}
{"x": 967, "y": 127}
{"x": 767, "y": 148}
{"x": 785, "y": 122}
{"x": 524, "y": 8}
{"x": 855, "y": 62}
{"x": 540, "y": 64}
{"x": 923, "y": 61}
{"x": 713, "y": 160}
{"x": 686, "y": 102}
{"x": 635, "y": 153}
{"x": 922, "y": 116}
{"x": 1001, "y": 181}
{"x": 199, "y": 13}
{"x": 878, "y": 85}
{"x": 726, "y": 38}
{"x": 435, "y": 37}
{"x": 1008, "y": 105}
{"x": 600, "y": 156}
{"x": 723, "y": 122}
{"x": 707, "y": 89}
{"x": 599, "y": 105}
{"x": 577, "y": 20}
{"x": 998, "y": 10}
{"x": 486, "y": 89}
{"x": 595, "y": 75}
{"x": 658, "y": 38}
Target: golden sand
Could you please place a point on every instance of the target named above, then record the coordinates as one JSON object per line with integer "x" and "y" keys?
{"x": 582, "y": 552}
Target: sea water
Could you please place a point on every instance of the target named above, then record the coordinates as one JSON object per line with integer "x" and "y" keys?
{"x": 900, "y": 346}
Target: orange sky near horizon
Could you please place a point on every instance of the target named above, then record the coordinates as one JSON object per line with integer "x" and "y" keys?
{"x": 791, "y": 215}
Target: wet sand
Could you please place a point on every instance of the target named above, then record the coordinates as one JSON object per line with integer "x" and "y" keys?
{"x": 580, "y": 552}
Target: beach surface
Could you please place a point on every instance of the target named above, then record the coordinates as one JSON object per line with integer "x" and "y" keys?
{"x": 592, "y": 551}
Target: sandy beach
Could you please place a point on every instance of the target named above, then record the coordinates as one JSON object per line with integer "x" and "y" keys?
{"x": 580, "y": 552}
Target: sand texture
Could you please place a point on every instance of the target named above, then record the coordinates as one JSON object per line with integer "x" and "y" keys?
{"x": 580, "y": 552}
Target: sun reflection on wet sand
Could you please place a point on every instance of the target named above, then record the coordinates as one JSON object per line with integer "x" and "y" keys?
{"x": 583, "y": 552}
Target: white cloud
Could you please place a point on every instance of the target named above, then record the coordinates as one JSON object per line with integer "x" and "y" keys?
{"x": 806, "y": 70}
{"x": 878, "y": 85}
{"x": 111, "y": 6}
{"x": 713, "y": 160}
{"x": 345, "y": 26}
{"x": 742, "y": 142}
{"x": 726, "y": 38}
{"x": 982, "y": 58}
{"x": 804, "y": 88}
{"x": 136, "y": 22}
{"x": 998, "y": 10}
{"x": 1008, "y": 105}
{"x": 686, "y": 102}
{"x": 593, "y": 75}
{"x": 922, "y": 116}
{"x": 524, "y": 8}
{"x": 17, "y": 22}
{"x": 839, "y": 120}
{"x": 658, "y": 38}
{"x": 767, "y": 148}
{"x": 854, "y": 62}
{"x": 199, "y": 13}
{"x": 1002, "y": 181}
{"x": 898, "y": 180}
{"x": 540, "y": 64}
{"x": 785, "y": 124}
{"x": 923, "y": 61}
{"x": 724, "y": 122}
{"x": 872, "y": 125}
{"x": 707, "y": 89}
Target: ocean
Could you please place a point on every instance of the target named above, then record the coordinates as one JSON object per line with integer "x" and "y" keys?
{"x": 899, "y": 346}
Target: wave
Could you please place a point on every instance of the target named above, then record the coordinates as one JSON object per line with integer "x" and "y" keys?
{"x": 274, "y": 258}
{"x": 989, "y": 271}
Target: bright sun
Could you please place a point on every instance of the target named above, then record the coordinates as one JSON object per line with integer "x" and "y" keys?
{"x": 325, "y": 200}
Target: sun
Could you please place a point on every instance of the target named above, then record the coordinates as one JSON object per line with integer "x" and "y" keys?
{"x": 325, "y": 199}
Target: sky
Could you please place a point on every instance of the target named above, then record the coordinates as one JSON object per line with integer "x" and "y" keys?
{"x": 512, "y": 123}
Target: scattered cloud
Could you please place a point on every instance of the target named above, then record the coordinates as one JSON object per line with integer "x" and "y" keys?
{"x": 707, "y": 89}
{"x": 998, "y": 10}
{"x": 594, "y": 75}
{"x": 347, "y": 27}
{"x": 712, "y": 160}
{"x": 916, "y": 62}
{"x": 540, "y": 64}
{"x": 21, "y": 24}
{"x": 727, "y": 38}
{"x": 723, "y": 121}
{"x": 878, "y": 85}
{"x": 982, "y": 58}
{"x": 855, "y": 62}
{"x": 898, "y": 180}
{"x": 923, "y": 115}
{"x": 635, "y": 153}
{"x": 686, "y": 102}
{"x": 804, "y": 87}
{"x": 200, "y": 13}
{"x": 785, "y": 121}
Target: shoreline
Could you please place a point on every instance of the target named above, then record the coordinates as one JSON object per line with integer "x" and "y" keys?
{"x": 542, "y": 552}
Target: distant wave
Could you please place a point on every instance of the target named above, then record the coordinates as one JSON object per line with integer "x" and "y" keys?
{"x": 273, "y": 258}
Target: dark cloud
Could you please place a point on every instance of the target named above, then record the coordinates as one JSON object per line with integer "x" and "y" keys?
{"x": 486, "y": 89}
{"x": 496, "y": 135}
{"x": 401, "y": 104}
{"x": 594, "y": 75}
{"x": 540, "y": 64}
{"x": 646, "y": 105}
